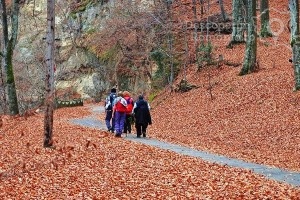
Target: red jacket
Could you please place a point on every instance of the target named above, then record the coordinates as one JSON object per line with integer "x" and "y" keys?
{"x": 129, "y": 104}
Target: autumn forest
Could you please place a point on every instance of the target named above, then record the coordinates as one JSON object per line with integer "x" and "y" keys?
{"x": 221, "y": 77}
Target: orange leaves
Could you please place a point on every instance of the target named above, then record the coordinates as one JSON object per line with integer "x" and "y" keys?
{"x": 254, "y": 118}
{"x": 88, "y": 163}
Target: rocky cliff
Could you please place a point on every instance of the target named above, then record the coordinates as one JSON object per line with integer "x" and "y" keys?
{"x": 82, "y": 70}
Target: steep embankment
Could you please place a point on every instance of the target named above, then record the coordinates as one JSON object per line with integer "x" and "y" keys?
{"x": 253, "y": 117}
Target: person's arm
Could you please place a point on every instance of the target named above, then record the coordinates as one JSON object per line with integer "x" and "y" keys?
{"x": 113, "y": 111}
{"x": 107, "y": 103}
{"x": 134, "y": 107}
{"x": 149, "y": 118}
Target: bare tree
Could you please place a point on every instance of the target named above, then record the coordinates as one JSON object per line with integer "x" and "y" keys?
{"x": 295, "y": 41}
{"x": 223, "y": 13}
{"x": 48, "y": 121}
{"x": 238, "y": 29}
{"x": 249, "y": 64}
{"x": 265, "y": 30}
{"x": 8, "y": 45}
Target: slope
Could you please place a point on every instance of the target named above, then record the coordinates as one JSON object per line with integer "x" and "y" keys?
{"x": 253, "y": 117}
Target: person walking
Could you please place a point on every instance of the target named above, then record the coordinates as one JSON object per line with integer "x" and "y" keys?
{"x": 119, "y": 113}
{"x": 109, "y": 103}
{"x": 142, "y": 116}
{"x": 128, "y": 119}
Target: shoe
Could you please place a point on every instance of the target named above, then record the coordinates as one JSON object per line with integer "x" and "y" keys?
{"x": 138, "y": 136}
{"x": 144, "y": 134}
{"x": 118, "y": 135}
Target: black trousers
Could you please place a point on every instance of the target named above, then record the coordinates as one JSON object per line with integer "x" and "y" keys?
{"x": 127, "y": 125}
{"x": 141, "y": 128}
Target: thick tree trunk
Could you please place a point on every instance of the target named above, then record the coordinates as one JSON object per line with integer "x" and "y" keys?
{"x": 294, "y": 12}
{"x": 296, "y": 61}
{"x": 48, "y": 121}
{"x": 7, "y": 55}
{"x": 238, "y": 28}
{"x": 10, "y": 83}
{"x": 3, "y": 101}
{"x": 249, "y": 64}
{"x": 295, "y": 40}
{"x": 265, "y": 30}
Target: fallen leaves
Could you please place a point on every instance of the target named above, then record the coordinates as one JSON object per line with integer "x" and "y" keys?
{"x": 254, "y": 118}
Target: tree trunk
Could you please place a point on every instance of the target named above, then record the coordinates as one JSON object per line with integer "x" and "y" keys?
{"x": 195, "y": 30}
{"x": 201, "y": 7}
{"x": 48, "y": 121}
{"x": 265, "y": 30}
{"x": 295, "y": 41}
{"x": 170, "y": 43}
{"x": 7, "y": 55}
{"x": 186, "y": 52}
{"x": 249, "y": 64}
{"x": 223, "y": 13}
{"x": 238, "y": 27}
{"x": 10, "y": 83}
{"x": 7, "y": 59}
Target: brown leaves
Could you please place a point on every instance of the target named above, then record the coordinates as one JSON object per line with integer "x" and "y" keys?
{"x": 255, "y": 118}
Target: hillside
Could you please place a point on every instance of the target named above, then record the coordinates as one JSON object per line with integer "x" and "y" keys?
{"x": 254, "y": 118}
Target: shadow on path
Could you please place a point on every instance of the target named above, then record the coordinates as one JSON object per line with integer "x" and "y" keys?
{"x": 292, "y": 178}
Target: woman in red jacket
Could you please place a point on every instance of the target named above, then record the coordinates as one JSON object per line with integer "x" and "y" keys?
{"x": 128, "y": 120}
{"x": 119, "y": 113}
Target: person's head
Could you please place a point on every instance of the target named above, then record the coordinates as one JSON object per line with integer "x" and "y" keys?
{"x": 126, "y": 94}
{"x": 113, "y": 90}
{"x": 120, "y": 94}
{"x": 141, "y": 97}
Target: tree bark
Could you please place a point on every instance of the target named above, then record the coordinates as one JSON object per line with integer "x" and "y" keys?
{"x": 265, "y": 30}
{"x": 170, "y": 43}
{"x": 295, "y": 41}
{"x": 48, "y": 121}
{"x": 249, "y": 64}
{"x": 201, "y": 7}
{"x": 195, "y": 29}
{"x": 238, "y": 28}
{"x": 223, "y": 13}
{"x": 7, "y": 55}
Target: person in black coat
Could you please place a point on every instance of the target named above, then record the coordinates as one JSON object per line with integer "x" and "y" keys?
{"x": 141, "y": 111}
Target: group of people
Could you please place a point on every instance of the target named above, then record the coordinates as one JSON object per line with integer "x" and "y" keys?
{"x": 122, "y": 111}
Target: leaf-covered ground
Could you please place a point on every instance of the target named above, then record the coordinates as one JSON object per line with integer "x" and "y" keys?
{"x": 254, "y": 118}
{"x": 93, "y": 164}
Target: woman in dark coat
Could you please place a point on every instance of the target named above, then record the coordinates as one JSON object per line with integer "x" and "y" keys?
{"x": 142, "y": 116}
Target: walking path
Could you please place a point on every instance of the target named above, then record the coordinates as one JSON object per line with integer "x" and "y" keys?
{"x": 277, "y": 174}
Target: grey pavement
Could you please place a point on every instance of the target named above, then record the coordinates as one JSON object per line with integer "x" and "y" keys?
{"x": 292, "y": 178}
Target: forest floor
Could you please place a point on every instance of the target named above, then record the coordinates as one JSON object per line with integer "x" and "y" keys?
{"x": 87, "y": 163}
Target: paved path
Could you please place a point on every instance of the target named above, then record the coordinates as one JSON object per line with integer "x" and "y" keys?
{"x": 292, "y": 178}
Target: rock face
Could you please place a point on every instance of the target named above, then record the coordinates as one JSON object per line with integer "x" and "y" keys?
{"x": 79, "y": 71}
